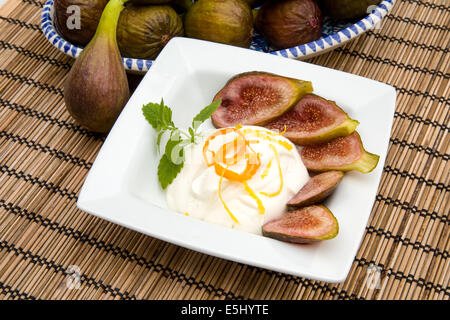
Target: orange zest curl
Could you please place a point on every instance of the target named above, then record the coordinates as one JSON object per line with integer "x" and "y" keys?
{"x": 231, "y": 153}
{"x": 237, "y": 150}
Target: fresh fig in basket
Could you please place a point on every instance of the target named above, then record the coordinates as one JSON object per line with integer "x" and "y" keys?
{"x": 96, "y": 88}
{"x": 181, "y": 6}
{"x": 254, "y": 3}
{"x": 343, "y": 154}
{"x": 224, "y": 21}
{"x": 317, "y": 189}
{"x": 147, "y": 2}
{"x": 255, "y": 98}
{"x": 305, "y": 225}
{"x": 314, "y": 120}
{"x": 289, "y": 23}
{"x": 143, "y": 31}
{"x": 347, "y": 9}
{"x": 77, "y": 20}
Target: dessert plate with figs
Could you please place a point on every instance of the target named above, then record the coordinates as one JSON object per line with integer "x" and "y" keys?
{"x": 294, "y": 191}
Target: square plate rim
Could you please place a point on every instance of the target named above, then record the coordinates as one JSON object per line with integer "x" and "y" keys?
{"x": 92, "y": 207}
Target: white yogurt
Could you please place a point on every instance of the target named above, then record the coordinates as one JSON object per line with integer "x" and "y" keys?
{"x": 195, "y": 191}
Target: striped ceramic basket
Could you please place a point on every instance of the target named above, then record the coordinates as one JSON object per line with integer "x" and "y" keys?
{"x": 333, "y": 35}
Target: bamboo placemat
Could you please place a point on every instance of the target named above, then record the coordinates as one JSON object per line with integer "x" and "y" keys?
{"x": 45, "y": 156}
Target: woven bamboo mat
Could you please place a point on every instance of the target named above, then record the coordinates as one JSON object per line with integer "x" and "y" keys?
{"x": 45, "y": 156}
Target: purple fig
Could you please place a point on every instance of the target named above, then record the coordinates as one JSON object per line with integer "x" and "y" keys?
{"x": 305, "y": 225}
{"x": 313, "y": 120}
{"x": 66, "y": 19}
{"x": 96, "y": 88}
{"x": 317, "y": 189}
{"x": 289, "y": 23}
{"x": 255, "y": 98}
{"x": 343, "y": 154}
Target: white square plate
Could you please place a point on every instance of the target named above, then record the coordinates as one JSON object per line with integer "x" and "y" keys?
{"x": 123, "y": 187}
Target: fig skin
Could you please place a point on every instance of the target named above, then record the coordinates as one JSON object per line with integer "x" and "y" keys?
{"x": 90, "y": 11}
{"x": 144, "y": 31}
{"x": 96, "y": 88}
{"x": 314, "y": 120}
{"x": 149, "y": 2}
{"x": 343, "y": 154}
{"x": 254, "y": 3}
{"x": 289, "y": 23}
{"x": 317, "y": 189}
{"x": 244, "y": 95}
{"x": 347, "y": 9}
{"x": 181, "y": 6}
{"x": 305, "y": 225}
{"x": 224, "y": 21}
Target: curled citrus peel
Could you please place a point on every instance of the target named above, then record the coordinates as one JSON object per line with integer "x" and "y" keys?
{"x": 237, "y": 150}
{"x": 223, "y": 202}
{"x": 251, "y": 193}
{"x": 269, "y": 136}
{"x": 266, "y": 170}
{"x": 280, "y": 173}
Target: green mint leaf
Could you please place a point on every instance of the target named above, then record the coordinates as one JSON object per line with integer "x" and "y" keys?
{"x": 166, "y": 115}
{"x": 174, "y": 148}
{"x": 167, "y": 171}
{"x": 172, "y": 161}
{"x": 158, "y": 140}
{"x": 152, "y": 115}
{"x": 192, "y": 133}
{"x": 158, "y": 115}
{"x": 160, "y": 118}
{"x": 205, "y": 113}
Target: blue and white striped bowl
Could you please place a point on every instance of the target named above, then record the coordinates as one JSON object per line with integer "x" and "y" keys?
{"x": 333, "y": 36}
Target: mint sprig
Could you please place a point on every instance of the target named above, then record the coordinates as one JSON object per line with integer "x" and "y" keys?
{"x": 160, "y": 118}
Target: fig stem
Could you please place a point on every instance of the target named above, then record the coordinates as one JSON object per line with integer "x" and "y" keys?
{"x": 109, "y": 19}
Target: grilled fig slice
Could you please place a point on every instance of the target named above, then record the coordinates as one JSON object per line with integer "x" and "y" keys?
{"x": 343, "y": 153}
{"x": 305, "y": 225}
{"x": 314, "y": 120}
{"x": 317, "y": 189}
{"x": 255, "y": 98}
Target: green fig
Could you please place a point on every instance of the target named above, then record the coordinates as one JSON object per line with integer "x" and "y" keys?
{"x": 224, "y": 21}
{"x": 313, "y": 120}
{"x": 181, "y": 6}
{"x": 149, "y": 2}
{"x": 347, "y": 9}
{"x": 255, "y": 98}
{"x": 343, "y": 154}
{"x": 144, "y": 31}
{"x": 96, "y": 88}
{"x": 305, "y": 225}
{"x": 77, "y": 20}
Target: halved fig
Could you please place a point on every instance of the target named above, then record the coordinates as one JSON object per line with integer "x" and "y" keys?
{"x": 314, "y": 120}
{"x": 343, "y": 154}
{"x": 305, "y": 225}
{"x": 317, "y": 189}
{"x": 255, "y": 98}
